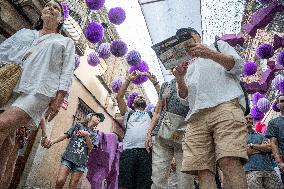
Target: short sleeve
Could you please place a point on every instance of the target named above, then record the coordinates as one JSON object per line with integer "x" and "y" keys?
{"x": 71, "y": 131}
{"x": 226, "y": 49}
{"x": 162, "y": 90}
{"x": 272, "y": 129}
{"x": 94, "y": 138}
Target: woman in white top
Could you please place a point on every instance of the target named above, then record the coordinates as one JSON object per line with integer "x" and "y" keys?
{"x": 47, "y": 59}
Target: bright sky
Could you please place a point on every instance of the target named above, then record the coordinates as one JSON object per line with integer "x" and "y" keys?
{"x": 134, "y": 32}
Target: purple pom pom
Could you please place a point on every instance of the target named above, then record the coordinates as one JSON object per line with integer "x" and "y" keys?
{"x": 130, "y": 99}
{"x": 281, "y": 86}
{"x": 141, "y": 67}
{"x": 276, "y": 81}
{"x": 116, "y": 85}
{"x": 256, "y": 114}
{"x": 256, "y": 96}
{"x": 275, "y": 107}
{"x": 264, "y": 51}
{"x": 116, "y": 15}
{"x": 265, "y": 2}
{"x": 93, "y": 59}
{"x": 118, "y": 48}
{"x": 249, "y": 68}
{"x": 77, "y": 61}
{"x": 95, "y": 4}
{"x": 65, "y": 10}
{"x": 133, "y": 58}
{"x": 263, "y": 105}
{"x": 94, "y": 32}
{"x": 104, "y": 51}
{"x": 150, "y": 108}
{"x": 280, "y": 58}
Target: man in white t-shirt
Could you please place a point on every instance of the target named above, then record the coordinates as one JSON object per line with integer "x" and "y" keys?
{"x": 135, "y": 167}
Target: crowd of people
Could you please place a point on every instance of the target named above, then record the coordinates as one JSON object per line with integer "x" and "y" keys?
{"x": 197, "y": 136}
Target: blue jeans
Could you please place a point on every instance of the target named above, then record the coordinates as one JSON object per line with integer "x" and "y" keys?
{"x": 72, "y": 166}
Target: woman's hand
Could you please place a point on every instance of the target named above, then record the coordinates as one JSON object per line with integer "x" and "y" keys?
{"x": 149, "y": 142}
{"x": 46, "y": 143}
{"x": 199, "y": 50}
{"x": 54, "y": 106}
{"x": 82, "y": 133}
{"x": 133, "y": 75}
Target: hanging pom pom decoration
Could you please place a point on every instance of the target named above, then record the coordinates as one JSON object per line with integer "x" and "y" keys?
{"x": 77, "y": 61}
{"x": 116, "y": 85}
{"x": 281, "y": 86}
{"x": 130, "y": 99}
{"x": 275, "y": 107}
{"x": 95, "y": 4}
{"x": 93, "y": 59}
{"x": 133, "y": 58}
{"x": 264, "y": 51}
{"x": 116, "y": 15}
{"x": 118, "y": 48}
{"x": 104, "y": 51}
{"x": 256, "y": 96}
{"x": 276, "y": 81}
{"x": 150, "y": 108}
{"x": 141, "y": 67}
{"x": 65, "y": 10}
{"x": 249, "y": 68}
{"x": 94, "y": 32}
{"x": 263, "y": 105}
{"x": 256, "y": 114}
{"x": 280, "y": 58}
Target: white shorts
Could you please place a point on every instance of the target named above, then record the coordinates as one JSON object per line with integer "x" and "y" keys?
{"x": 35, "y": 105}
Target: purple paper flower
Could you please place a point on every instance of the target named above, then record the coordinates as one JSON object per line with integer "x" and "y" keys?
{"x": 93, "y": 59}
{"x": 104, "y": 51}
{"x": 275, "y": 107}
{"x": 130, "y": 99}
{"x": 256, "y": 114}
{"x": 263, "y": 105}
{"x": 77, "y": 61}
{"x": 249, "y": 68}
{"x": 94, "y": 32}
{"x": 150, "y": 108}
{"x": 256, "y": 96}
{"x": 264, "y": 51}
{"x": 281, "y": 86}
{"x": 276, "y": 81}
{"x": 116, "y": 15}
{"x": 280, "y": 58}
{"x": 141, "y": 67}
{"x": 65, "y": 10}
{"x": 133, "y": 58}
{"x": 116, "y": 85}
{"x": 95, "y": 4}
{"x": 264, "y": 2}
{"x": 118, "y": 48}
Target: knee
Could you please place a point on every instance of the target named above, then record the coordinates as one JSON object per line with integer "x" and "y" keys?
{"x": 229, "y": 163}
{"x": 73, "y": 184}
{"x": 60, "y": 182}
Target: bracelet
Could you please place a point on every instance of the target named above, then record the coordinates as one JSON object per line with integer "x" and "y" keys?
{"x": 128, "y": 79}
{"x": 157, "y": 83}
{"x": 43, "y": 137}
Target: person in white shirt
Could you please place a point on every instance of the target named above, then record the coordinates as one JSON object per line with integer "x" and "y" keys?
{"x": 47, "y": 59}
{"x": 216, "y": 131}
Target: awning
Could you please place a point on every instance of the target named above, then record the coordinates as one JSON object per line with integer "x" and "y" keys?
{"x": 72, "y": 29}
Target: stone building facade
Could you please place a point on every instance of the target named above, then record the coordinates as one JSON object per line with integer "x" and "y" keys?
{"x": 91, "y": 89}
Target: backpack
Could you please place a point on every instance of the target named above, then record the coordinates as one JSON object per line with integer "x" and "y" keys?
{"x": 129, "y": 115}
{"x": 247, "y": 108}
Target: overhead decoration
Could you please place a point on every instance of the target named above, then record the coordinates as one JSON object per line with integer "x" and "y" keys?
{"x": 275, "y": 107}
{"x": 280, "y": 58}
{"x": 263, "y": 85}
{"x": 265, "y": 51}
{"x": 276, "y": 81}
{"x": 116, "y": 85}
{"x": 116, "y": 15}
{"x": 133, "y": 58}
{"x": 118, "y": 48}
{"x": 94, "y": 32}
{"x": 265, "y": 2}
{"x": 263, "y": 105}
{"x": 65, "y": 10}
{"x": 262, "y": 18}
{"x": 278, "y": 42}
{"x": 256, "y": 114}
{"x": 95, "y": 4}
{"x": 93, "y": 59}
{"x": 256, "y": 96}
{"x": 104, "y": 51}
{"x": 281, "y": 86}
{"x": 249, "y": 68}
{"x": 130, "y": 99}
{"x": 232, "y": 39}
{"x": 77, "y": 61}
{"x": 141, "y": 67}
{"x": 150, "y": 108}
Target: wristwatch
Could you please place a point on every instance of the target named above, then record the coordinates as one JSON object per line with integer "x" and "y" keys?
{"x": 251, "y": 145}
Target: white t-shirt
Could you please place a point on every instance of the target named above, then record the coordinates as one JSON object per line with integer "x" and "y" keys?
{"x": 136, "y": 130}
